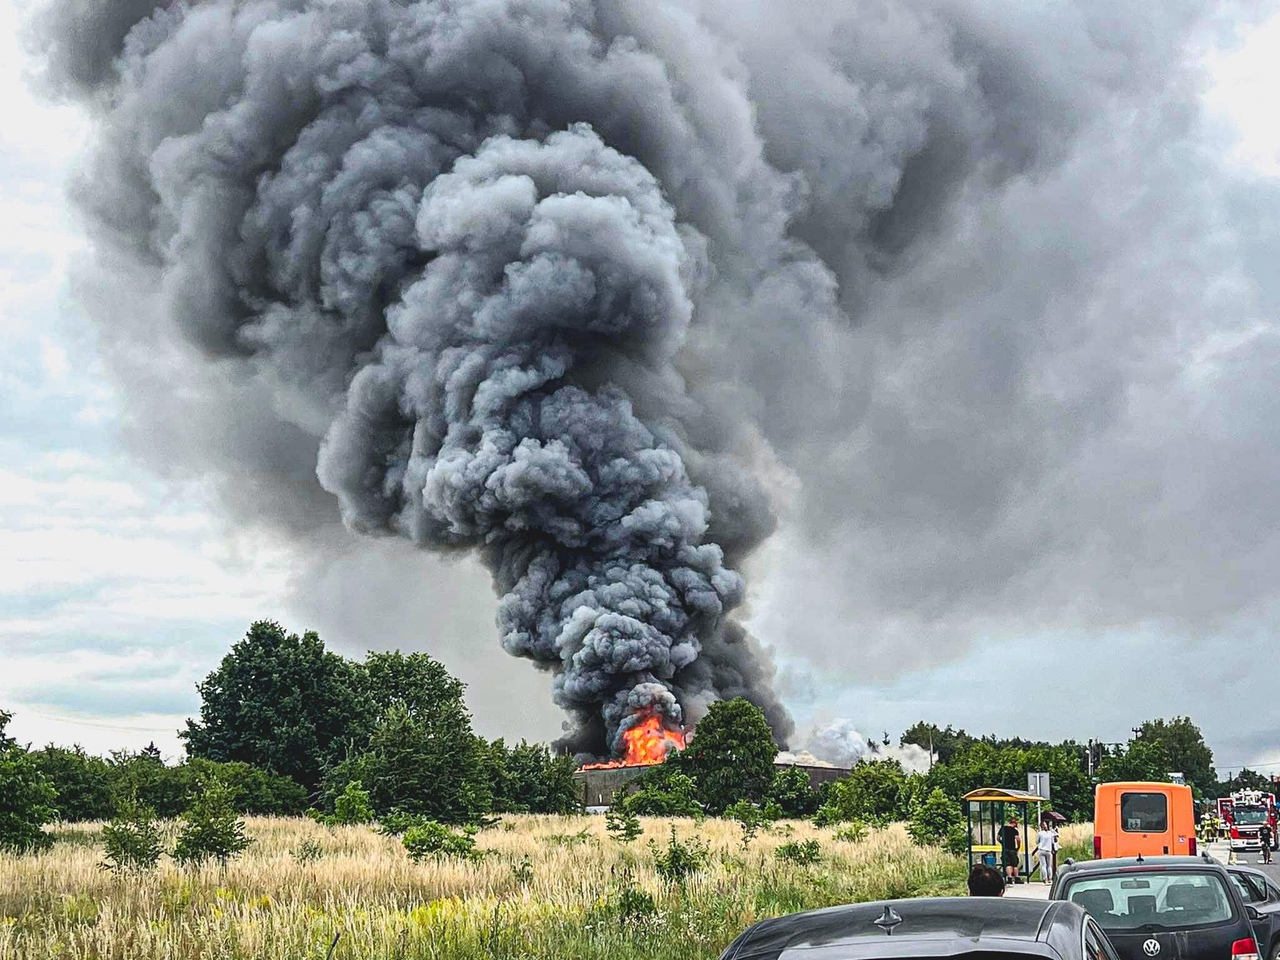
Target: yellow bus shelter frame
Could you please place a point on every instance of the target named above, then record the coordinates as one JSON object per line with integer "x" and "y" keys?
{"x": 986, "y": 810}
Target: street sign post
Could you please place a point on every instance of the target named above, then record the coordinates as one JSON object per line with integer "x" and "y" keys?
{"x": 1038, "y": 783}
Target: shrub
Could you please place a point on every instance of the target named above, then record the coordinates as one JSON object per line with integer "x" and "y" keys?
{"x": 679, "y": 860}
{"x": 750, "y": 818}
{"x": 803, "y": 852}
{"x": 664, "y": 792}
{"x": 132, "y": 839}
{"x": 435, "y": 840}
{"x": 82, "y": 783}
{"x": 211, "y": 830}
{"x": 352, "y": 805}
{"x": 622, "y": 824}
{"x": 396, "y": 823}
{"x": 854, "y": 832}
{"x": 934, "y": 819}
{"x": 874, "y": 791}
{"x": 522, "y": 872}
{"x": 308, "y": 851}
{"x": 793, "y": 792}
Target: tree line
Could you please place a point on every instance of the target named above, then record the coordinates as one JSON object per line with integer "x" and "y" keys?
{"x": 288, "y": 727}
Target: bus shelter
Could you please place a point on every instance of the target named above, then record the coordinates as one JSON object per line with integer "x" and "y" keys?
{"x": 986, "y": 810}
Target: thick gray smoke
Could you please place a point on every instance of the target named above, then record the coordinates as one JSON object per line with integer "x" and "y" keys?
{"x": 580, "y": 284}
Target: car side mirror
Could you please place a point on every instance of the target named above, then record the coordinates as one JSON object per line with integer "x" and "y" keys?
{"x": 1252, "y": 911}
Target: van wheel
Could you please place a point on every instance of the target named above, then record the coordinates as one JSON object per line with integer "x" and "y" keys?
{"x": 1275, "y": 952}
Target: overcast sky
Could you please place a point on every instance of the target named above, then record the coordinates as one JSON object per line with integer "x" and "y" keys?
{"x": 120, "y": 589}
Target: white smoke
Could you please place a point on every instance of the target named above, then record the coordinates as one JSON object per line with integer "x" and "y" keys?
{"x": 840, "y": 744}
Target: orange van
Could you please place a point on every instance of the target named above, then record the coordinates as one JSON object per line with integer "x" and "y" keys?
{"x": 1152, "y": 819}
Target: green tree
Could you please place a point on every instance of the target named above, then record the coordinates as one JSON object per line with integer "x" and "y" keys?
{"x": 132, "y": 839}
{"x": 990, "y": 763}
{"x": 253, "y": 791}
{"x": 1246, "y": 779}
{"x": 144, "y": 777}
{"x": 282, "y": 703}
{"x": 26, "y": 796}
{"x": 622, "y": 825}
{"x": 793, "y": 792}
{"x": 874, "y": 791}
{"x": 1142, "y": 760}
{"x": 352, "y": 805}
{"x": 934, "y": 820}
{"x": 210, "y": 830}
{"x": 1185, "y": 749}
{"x": 529, "y": 778}
{"x": 82, "y": 782}
{"x": 944, "y": 743}
{"x": 731, "y": 755}
{"x": 430, "y": 766}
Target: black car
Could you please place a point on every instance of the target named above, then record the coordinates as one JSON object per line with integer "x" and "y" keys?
{"x": 1261, "y": 892}
{"x": 972, "y": 928}
{"x": 1163, "y": 908}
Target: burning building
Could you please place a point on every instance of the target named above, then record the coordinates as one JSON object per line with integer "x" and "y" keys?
{"x": 648, "y": 743}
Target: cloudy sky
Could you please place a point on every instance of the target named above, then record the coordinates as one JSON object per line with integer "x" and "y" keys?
{"x": 122, "y": 587}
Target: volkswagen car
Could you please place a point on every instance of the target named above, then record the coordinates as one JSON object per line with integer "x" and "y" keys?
{"x": 1163, "y": 908}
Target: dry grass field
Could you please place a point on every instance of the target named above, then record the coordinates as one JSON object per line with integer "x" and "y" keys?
{"x": 546, "y": 887}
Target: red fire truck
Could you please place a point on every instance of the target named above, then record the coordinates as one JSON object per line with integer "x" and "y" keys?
{"x": 1243, "y": 813}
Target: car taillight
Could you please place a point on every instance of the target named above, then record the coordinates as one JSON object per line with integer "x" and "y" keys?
{"x": 1244, "y": 949}
{"x": 1097, "y": 847}
{"x": 1191, "y": 846}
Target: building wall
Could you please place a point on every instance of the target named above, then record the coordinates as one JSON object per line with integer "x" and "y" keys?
{"x": 597, "y": 788}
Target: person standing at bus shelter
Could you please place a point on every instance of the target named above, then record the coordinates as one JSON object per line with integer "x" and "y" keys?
{"x": 1010, "y": 845}
{"x": 1046, "y": 842}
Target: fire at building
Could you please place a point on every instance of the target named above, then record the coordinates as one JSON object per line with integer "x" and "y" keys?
{"x": 647, "y": 744}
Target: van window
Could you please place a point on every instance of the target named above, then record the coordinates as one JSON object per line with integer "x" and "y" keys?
{"x": 1144, "y": 812}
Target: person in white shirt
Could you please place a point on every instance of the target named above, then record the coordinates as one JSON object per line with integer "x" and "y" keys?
{"x": 1046, "y": 839}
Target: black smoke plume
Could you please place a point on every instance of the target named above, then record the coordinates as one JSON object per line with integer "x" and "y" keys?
{"x": 409, "y": 222}
{"x": 564, "y": 283}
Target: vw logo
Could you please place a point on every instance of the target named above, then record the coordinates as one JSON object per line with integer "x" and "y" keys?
{"x": 1151, "y": 947}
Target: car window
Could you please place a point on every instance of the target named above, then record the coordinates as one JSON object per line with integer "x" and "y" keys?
{"x": 1144, "y": 812}
{"x": 1273, "y": 892}
{"x": 1162, "y": 899}
{"x": 1250, "y": 889}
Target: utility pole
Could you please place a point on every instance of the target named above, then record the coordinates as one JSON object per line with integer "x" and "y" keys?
{"x": 1091, "y": 758}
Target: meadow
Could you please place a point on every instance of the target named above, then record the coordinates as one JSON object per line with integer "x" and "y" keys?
{"x": 545, "y": 887}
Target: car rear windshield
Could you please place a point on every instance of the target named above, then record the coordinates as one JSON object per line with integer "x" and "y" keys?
{"x": 1144, "y": 812}
{"x": 1163, "y": 899}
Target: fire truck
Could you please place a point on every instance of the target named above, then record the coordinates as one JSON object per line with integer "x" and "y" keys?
{"x": 1243, "y": 813}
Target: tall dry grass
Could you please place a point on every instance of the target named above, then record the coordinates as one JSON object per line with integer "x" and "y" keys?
{"x": 547, "y": 887}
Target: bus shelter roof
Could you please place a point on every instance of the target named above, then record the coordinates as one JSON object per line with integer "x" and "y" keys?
{"x": 1007, "y": 796}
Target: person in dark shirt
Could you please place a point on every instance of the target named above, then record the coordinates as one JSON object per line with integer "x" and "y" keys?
{"x": 985, "y": 881}
{"x": 1264, "y": 835}
{"x": 1010, "y": 842}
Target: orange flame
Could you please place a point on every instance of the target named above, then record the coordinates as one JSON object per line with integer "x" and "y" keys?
{"x": 647, "y": 743}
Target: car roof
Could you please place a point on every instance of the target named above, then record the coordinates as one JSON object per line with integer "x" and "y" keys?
{"x": 937, "y": 926}
{"x": 1145, "y": 863}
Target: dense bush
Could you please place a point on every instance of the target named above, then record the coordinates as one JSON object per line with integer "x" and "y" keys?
{"x": 663, "y": 791}
{"x": 932, "y": 821}
{"x": 26, "y": 797}
{"x": 132, "y": 839}
{"x": 793, "y": 792}
{"x": 877, "y": 792}
{"x": 431, "y": 839}
{"x": 802, "y": 852}
{"x": 211, "y": 830}
{"x": 677, "y": 861}
{"x": 84, "y": 783}
{"x": 529, "y": 778}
